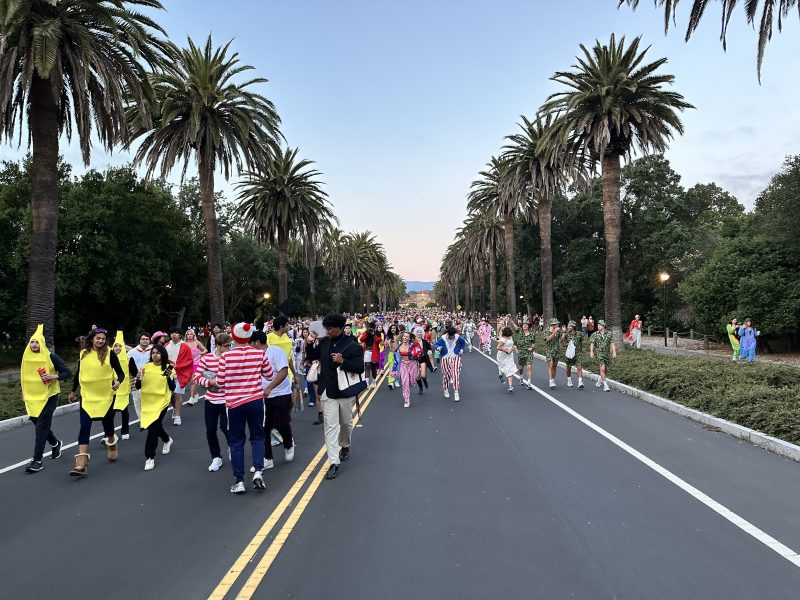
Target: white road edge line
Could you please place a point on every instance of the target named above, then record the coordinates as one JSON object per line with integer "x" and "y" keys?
{"x": 740, "y": 522}
{"x": 72, "y": 445}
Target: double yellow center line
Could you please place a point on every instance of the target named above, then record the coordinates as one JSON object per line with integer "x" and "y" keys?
{"x": 260, "y": 537}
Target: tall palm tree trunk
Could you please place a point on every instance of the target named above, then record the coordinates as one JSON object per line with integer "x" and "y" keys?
{"x": 205, "y": 170}
{"x": 511, "y": 288}
{"x": 43, "y": 120}
{"x": 283, "y": 270}
{"x": 470, "y": 292}
{"x": 545, "y": 218}
{"x": 611, "y": 223}
{"x": 312, "y": 283}
{"x": 482, "y": 287}
{"x": 353, "y": 300}
{"x": 493, "y": 282}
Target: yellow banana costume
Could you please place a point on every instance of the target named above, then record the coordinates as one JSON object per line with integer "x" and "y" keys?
{"x": 155, "y": 394}
{"x": 95, "y": 380}
{"x": 35, "y": 392}
{"x": 124, "y": 389}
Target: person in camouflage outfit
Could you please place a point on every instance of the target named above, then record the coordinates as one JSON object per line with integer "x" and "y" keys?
{"x": 553, "y": 340}
{"x": 576, "y": 337}
{"x": 524, "y": 341}
{"x": 601, "y": 344}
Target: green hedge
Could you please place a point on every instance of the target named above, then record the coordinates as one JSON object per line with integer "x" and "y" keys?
{"x": 11, "y": 404}
{"x": 764, "y": 397}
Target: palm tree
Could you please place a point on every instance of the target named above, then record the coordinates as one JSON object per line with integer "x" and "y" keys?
{"x": 284, "y": 200}
{"x": 333, "y": 257}
{"x": 202, "y": 114}
{"x": 363, "y": 260}
{"x": 309, "y": 251}
{"x": 770, "y": 11}
{"x": 545, "y": 170}
{"x": 68, "y": 67}
{"x": 494, "y": 192}
{"x": 615, "y": 103}
{"x": 485, "y": 232}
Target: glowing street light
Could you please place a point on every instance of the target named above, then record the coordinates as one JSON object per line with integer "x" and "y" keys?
{"x": 664, "y": 277}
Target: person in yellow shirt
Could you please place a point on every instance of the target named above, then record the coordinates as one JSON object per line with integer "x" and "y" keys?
{"x": 99, "y": 375}
{"x": 157, "y": 385}
{"x": 40, "y": 373}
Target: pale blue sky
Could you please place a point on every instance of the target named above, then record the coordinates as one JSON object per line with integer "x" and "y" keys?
{"x": 402, "y": 103}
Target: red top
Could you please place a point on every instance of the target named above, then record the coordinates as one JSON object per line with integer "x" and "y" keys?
{"x": 239, "y": 374}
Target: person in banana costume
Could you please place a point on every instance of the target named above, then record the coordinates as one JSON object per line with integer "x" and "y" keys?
{"x": 40, "y": 374}
{"x": 99, "y": 375}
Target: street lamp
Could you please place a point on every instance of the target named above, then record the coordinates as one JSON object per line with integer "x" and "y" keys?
{"x": 664, "y": 279}
{"x": 266, "y": 295}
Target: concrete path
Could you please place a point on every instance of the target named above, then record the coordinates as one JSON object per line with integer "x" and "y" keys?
{"x": 551, "y": 494}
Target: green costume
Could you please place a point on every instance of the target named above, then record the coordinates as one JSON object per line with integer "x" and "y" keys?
{"x": 734, "y": 340}
{"x": 576, "y": 337}
{"x": 524, "y": 344}
{"x": 553, "y": 347}
{"x": 602, "y": 341}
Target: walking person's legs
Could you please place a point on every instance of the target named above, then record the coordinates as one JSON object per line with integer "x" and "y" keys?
{"x": 255, "y": 425}
{"x": 211, "y": 413}
{"x": 236, "y": 433}
{"x": 43, "y": 432}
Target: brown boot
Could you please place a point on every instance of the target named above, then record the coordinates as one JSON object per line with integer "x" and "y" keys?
{"x": 113, "y": 449}
{"x": 81, "y": 465}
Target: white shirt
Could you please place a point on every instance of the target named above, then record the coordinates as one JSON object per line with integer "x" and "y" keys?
{"x": 277, "y": 358}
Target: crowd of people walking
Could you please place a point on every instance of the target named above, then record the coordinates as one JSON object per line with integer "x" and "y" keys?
{"x": 252, "y": 378}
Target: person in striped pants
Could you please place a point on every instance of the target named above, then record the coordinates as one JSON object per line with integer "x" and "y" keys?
{"x": 451, "y": 347}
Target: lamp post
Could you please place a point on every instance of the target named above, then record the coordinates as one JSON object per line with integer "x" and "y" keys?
{"x": 664, "y": 279}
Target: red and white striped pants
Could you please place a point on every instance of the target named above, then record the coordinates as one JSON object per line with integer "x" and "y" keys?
{"x": 451, "y": 371}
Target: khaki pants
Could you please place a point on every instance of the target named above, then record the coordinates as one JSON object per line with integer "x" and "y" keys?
{"x": 338, "y": 415}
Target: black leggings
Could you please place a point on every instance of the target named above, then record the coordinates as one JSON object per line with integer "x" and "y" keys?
{"x": 86, "y": 425}
{"x": 43, "y": 423}
{"x": 278, "y": 415}
{"x": 371, "y": 368}
{"x": 155, "y": 431}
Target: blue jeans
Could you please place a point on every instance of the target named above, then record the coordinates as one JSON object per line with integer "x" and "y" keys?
{"x": 250, "y": 414}
{"x": 312, "y": 395}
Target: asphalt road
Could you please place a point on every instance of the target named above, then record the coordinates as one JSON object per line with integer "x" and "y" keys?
{"x": 500, "y": 495}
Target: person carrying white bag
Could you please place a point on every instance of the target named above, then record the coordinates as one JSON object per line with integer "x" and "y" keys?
{"x": 339, "y": 383}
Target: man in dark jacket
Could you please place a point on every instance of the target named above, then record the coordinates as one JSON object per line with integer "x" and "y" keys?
{"x": 337, "y": 350}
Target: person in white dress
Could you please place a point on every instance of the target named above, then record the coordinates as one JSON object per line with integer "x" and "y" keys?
{"x": 505, "y": 357}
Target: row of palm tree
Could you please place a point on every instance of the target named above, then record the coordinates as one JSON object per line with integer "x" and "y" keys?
{"x": 101, "y": 68}
{"x": 614, "y": 103}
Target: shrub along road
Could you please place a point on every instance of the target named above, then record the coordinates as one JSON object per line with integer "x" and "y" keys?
{"x": 499, "y": 495}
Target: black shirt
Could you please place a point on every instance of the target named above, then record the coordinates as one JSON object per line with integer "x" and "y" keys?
{"x": 353, "y": 355}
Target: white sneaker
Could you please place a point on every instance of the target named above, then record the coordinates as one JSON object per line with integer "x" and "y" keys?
{"x": 176, "y": 420}
{"x": 447, "y": 393}
{"x": 268, "y": 464}
{"x": 192, "y": 400}
{"x": 580, "y": 384}
{"x": 456, "y": 397}
{"x": 552, "y": 385}
{"x": 289, "y": 454}
{"x": 167, "y": 447}
{"x": 406, "y": 404}
{"x": 253, "y": 469}
{"x": 238, "y": 488}
{"x": 511, "y": 388}
{"x": 305, "y": 392}
{"x": 605, "y": 387}
{"x": 598, "y": 383}
{"x": 149, "y": 464}
{"x": 126, "y": 436}
{"x": 569, "y": 382}
{"x": 215, "y": 464}
{"x": 258, "y": 481}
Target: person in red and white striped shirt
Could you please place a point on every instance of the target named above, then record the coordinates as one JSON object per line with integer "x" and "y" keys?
{"x": 239, "y": 374}
{"x": 215, "y": 410}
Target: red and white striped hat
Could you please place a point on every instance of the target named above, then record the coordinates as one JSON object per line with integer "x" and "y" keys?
{"x": 242, "y": 332}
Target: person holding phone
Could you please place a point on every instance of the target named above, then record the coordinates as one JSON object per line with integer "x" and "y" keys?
{"x": 157, "y": 384}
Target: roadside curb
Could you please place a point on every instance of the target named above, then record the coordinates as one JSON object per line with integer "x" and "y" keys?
{"x": 17, "y": 422}
{"x": 773, "y": 444}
